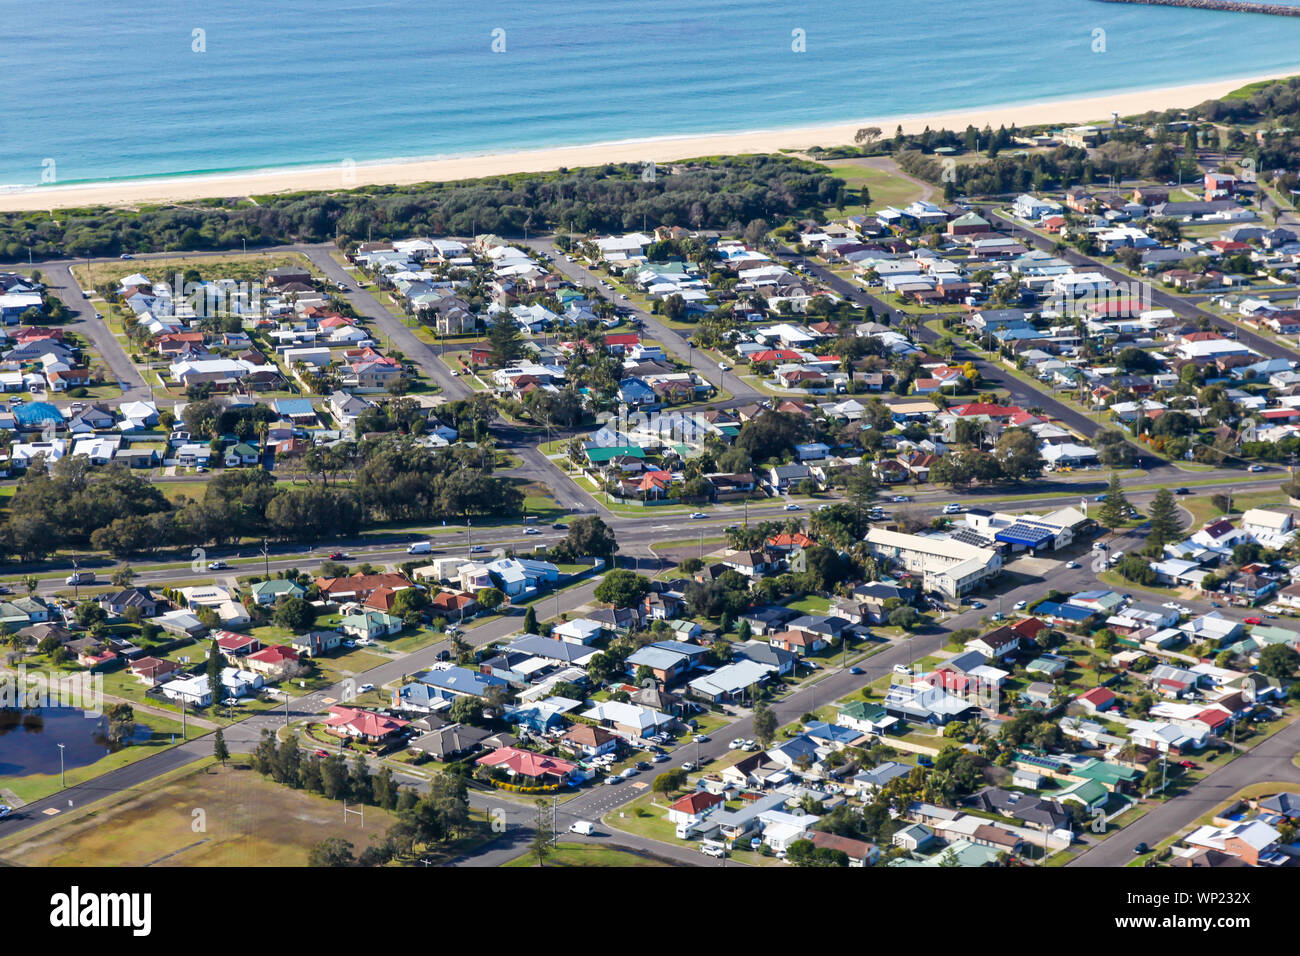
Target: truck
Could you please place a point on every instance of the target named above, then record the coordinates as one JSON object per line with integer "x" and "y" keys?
{"x": 583, "y": 827}
{"x": 419, "y": 547}
{"x": 81, "y": 577}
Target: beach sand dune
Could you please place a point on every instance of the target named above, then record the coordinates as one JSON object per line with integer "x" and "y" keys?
{"x": 1093, "y": 109}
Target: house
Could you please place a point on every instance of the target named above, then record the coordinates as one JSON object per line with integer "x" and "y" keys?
{"x": 629, "y": 721}
{"x": 693, "y": 807}
{"x": 453, "y": 682}
{"x": 365, "y": 725}
{"x": 371, "y": 625}
{"x": 445, "y": 742}
{"x": 996, "y": 644}
{"x": 1252, "y": 841}
{"x": 1096, "y": 700}
{"x": 268, "y": 592}
{"x": 153, "y": 670}
{"x": 141, "y": 598}
{"x": 733, "y": 680}
{"x": 274, "y": 661}
{"x": 588, "y": 741}
{"x": 547, "y": 771}
{"x": 316, "y": 643}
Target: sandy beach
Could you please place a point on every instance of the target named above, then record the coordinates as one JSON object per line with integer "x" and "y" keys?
{"x": 347, "y": 176}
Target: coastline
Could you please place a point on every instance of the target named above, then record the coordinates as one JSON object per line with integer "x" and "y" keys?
{"x": 181, "y": 187}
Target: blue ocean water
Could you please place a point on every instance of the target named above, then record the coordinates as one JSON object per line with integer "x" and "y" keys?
{"x": 131, "y": 88}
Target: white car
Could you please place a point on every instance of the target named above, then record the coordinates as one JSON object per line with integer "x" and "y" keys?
{"x": 531, "y": 531}
{"x": 701, "y": 738}
{"x": 613, "y": 779}
{"x": 698, "y": 514}
{"x": 217, "y": 565}
{"x": 366, "y": 687}
{"x": 1255, "y": 468}
{"x": 902, "y": 669}
{"x": 792, "y": 507}
{"x": 724, "y": 367}
{"x": 5, "y": 811}
{"x": 1072, "y": 565}
{"x": 349, "y": 643}
{"x": 1021, "y": 605}
{"x": 736, "y": 744}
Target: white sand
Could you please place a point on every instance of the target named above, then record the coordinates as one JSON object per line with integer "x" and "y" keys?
{"x": 262, "y": 182}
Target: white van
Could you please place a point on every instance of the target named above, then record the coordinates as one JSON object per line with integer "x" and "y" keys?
{"x": 420, "y": 547}
{"x": 584, "y": 827}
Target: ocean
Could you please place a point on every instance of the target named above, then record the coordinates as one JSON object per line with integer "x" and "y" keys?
{"x": 101, "y": 91}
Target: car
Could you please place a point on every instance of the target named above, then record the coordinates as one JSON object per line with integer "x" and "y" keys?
{"x": 126, "y": 255}
{"x": 1172, "y": 605}
{"x": 1140, "y": 849}
{"x": 1182, "y": 491}
{"x": 996, "y": 616}
{"x": 1100, "y": 498}
{"x": 643, "y": 765}
{"x": 1255, "y": 468}
{"x": 629, "y": 772}
{"x": 1254, "y": 620}
{"x": 5, "y": 810}
{"x": 736, "y": 744}
{"x": 750, "y": 746}
{"x": 560, "y": 526}
{"x": 612, "y": 779}
{"x": 349, "y": 643}
{"x": 320, "y": 753}
{"x": 531, "y": 531}
{"x": 689, "y": 765}
{"x": 902, "y": 669}
{"x": 924, "y": 760}
{"x": 977, "y": 605}
{"x": 1021, "y": 605}
{"x": 99, "y": 315}
{"x": 477, "y": 549}
{"x": 792, "y": 507}
{"x": 660, "y": 758}
{"x": 15, "y": 399}
{"x": 366, "y": 687}
{"x": 724, "y": 367}
{"x": 902, "y": 498}
{"x": 337, "y": 555}
{"x": 701, "y": 738}
{"x": 697, "y": 515}
{"x": 1187, "y": 765}
{"x": 1071, "y": 564}
{"x": 217, "y": 565}
{"x": 856, "y": 671}
{"x": 952, "y": 509}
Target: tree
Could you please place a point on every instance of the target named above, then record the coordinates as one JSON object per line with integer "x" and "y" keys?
{"x": 1017, "y": 454}
{"x": 506, "y": 341}
{"x": 214, "y": 671}
{"x": 296, "y": 614}
{"x": 121, "y": 723}
{"x": 1114, "y": 510}
{"x": 543, "y": 833}
{"x": 122, "y": 577}
{"x": 466, "y": 710}
{"x": 905, "y": 617}
{"x": 219, "y": 749}
{"x": 1278, "y": 661}
{"x": 764, "y": 724}
{"x": 622, "y": 588}
{"x": 669, "y": 781}
{"x": 332, "y": 852}
{"x": 530, "y": 621}
{"x": 1164, "y": 518}
{"x": 489, "y": 598}
{"x": 359, "y": 783}
{"x": 588, "y": 536}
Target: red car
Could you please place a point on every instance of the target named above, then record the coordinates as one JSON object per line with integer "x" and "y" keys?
{"x": 1187, "y": 765}
{"x": 320, "y": 753}
{"x": 1253, "y": 620}
{"x": 337, "y": 555}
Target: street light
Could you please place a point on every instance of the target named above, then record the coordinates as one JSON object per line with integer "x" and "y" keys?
{"x": 63, "y": 785}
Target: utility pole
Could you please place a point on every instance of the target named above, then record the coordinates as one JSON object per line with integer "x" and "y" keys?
{"x": 266, "y": 558}
{"x": 63, "y": 782}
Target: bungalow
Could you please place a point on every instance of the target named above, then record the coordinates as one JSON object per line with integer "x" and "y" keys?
{"x": 454, "y": 682}
{"x": 364, "y": 725}
{"x": 316, "y": 643}
{"x": 274, "y": 661}
{"x": 588, "y": 741}
{"x": 693, "y": 807}
{"x": 629, "y": 721}
{"x": 268, "y": 592}
{"x": 996, "y": 644}
{"x": 533, "y": 766}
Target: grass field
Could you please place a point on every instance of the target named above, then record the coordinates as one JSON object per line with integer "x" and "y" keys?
{"x": 887, "y": 189}
{"x": 246, "y": 820}
{"x": 580, "y": 854}
{"x": 252, "y": 267}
